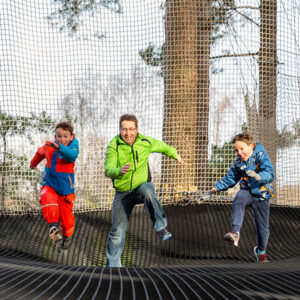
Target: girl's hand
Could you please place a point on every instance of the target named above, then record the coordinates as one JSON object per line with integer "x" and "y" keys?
{"x": 253, "y": 175}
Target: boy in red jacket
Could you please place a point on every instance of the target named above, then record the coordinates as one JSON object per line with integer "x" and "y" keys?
{"x": 57, "y": 193}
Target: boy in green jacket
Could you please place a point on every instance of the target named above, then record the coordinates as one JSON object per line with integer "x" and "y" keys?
{"x": 126, "y": 164}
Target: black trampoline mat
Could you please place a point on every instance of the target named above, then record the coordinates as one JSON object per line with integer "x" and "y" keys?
{"x": 195, "y": 264}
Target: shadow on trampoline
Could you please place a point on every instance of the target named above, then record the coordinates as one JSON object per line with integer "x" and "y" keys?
{"x": 195, "y": 264}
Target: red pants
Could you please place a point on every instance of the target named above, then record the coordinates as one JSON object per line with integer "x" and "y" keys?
{"x": 57, "y": 208}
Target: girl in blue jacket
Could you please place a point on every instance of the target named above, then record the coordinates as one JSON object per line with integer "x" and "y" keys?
{"x": 254, "y": 170}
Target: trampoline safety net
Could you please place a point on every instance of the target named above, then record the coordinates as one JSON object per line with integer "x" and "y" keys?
{"x": 195, "y": 73}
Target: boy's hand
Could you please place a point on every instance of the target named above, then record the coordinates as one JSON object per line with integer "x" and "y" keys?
{"x": 125, "y": 169}
{"x": 253, "y": 175}
{"x": 32, "y": 167}
{"x": 52, "y": 144}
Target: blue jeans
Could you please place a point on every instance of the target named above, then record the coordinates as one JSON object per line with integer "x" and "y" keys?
{"x": 123, "y": 205}
{"x": 261, "y": 212}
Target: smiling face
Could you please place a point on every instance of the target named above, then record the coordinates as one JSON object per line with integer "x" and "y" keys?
{"x": 243, "y": 150}
{"x": 63, "y": 137}
{"x": 128, "y": 131}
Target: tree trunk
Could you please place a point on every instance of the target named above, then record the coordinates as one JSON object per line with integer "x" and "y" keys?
{"x": 186, "y": 102}
{"x": 267, "y": 77}
{"x": 252, "y": 117}
{"x": 204, "y": 36}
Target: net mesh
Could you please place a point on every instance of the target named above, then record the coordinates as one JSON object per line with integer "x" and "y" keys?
{"x": 195, "y": 73}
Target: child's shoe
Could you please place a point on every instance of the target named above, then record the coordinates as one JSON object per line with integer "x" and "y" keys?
{"x": 164, "y": 234}
{"x": 54, "y": 234}
{"x": 65, "y": 243}
{"x": 232, "y": 238}
{"x": 260, "y": 257}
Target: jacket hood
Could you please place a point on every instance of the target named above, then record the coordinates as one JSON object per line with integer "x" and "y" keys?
{"x": 259, "y": 148}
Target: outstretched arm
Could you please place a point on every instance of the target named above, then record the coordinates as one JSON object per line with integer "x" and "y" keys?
{"x": 232, "y": 177}
{"x": 70, "y": 153}
{"x": 38, "y": 157}
{"x": 161, "y": 147}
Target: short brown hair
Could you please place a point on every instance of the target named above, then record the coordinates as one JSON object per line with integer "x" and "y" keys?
{"x": 65, "y": 126}
{"x": 128, "y": 117}
{"x": 245, "y": 137}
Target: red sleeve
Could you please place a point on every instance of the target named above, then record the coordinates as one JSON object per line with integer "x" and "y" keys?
{"x": 38, "y": 157}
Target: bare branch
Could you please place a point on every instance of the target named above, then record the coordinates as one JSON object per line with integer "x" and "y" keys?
{"x": 247, "y": 7}
{"x": 234, "y": 55}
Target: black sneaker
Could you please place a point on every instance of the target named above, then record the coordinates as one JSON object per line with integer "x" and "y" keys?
{"x": 54, "y": 234}
{"x": 65, "y": 243}
{"x": 164, "y": 234}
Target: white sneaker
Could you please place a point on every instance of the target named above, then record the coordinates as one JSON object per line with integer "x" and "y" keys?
{"x": 54, "y": 234}
{"x": 232, "y": 238}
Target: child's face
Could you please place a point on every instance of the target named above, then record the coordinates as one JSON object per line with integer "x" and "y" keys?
{"x": 243, "y": 150}
{"x": 63, "y": 137}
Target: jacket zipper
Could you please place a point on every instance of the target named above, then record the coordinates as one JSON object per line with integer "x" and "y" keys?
{"x": 70, "y": 181}
{"x": 132, "y": 151}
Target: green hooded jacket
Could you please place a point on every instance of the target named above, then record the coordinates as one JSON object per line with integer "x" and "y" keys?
{"x": 119, "y": 153}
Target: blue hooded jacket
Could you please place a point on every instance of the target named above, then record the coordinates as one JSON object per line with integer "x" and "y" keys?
{"x": 260, "y": 163}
